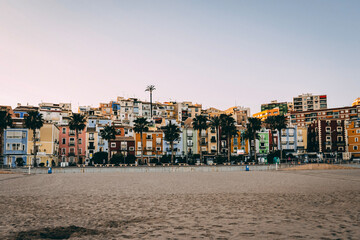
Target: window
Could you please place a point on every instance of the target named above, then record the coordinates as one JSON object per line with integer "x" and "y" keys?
{"x": 63, "y": 151}
{"x": 131, "y": 149}
{"x": 63, "y": 130}
{"x": 8, "y": 146}
{"x": 80, "y": 141}
{"x": 14, "y": 134}
{"x": 113, "y": 144}
{"x": 356, "y": 139}
{"x": 16, "y": 146}
{"x": 355, "y": 147}
{"x": 63, "y": 141}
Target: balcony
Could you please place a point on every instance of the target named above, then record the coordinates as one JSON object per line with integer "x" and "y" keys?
{"x": 71, "y": 143}
{"x": 91, "y": 147}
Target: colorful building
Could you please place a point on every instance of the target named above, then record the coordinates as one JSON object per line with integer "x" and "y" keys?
{"x": 68, "y": 145}
{"x": 47, "y": 144}
{"x": 263, "y": 115}
{"x": 15, "y": 146}
{"x": 353, "y": 138}
{"x": 153, "y": 145}
{"x": 283, "y": 106}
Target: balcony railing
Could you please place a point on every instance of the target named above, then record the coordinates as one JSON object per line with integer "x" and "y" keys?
{"x": 71, "y": 143}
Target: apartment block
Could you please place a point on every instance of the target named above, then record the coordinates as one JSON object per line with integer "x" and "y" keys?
{"x": 282, "y": 106}
{"x": 308, "y": 117}
{"x": 308, "y": 102}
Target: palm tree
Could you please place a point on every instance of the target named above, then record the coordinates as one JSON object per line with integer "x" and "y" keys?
{"x": 271, "y": 124}
{"x": 172, "y": 133}
{"x": 108, "y": 133}
{"x": 77, "y": 123}
{"x": 5, "y": 121}
{"x": 199, "y": 124}
{"x": 34, "y": 121}
{"x": 228, "y": 128}
{"x": 252, "y": 127}
{"x": 150, "y": 89}
{"x": 141, "y": 125}
{"x": 215, "y": 123}
{"x": 280, "y": 123}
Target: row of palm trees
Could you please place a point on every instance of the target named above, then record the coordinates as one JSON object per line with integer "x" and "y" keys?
{"x": 223, "y": 124}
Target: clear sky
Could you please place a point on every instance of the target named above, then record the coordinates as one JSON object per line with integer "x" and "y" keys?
{"x": 217, "y": 53}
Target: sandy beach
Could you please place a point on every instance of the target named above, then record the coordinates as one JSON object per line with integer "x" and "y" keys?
{"x": 314, "y": 204}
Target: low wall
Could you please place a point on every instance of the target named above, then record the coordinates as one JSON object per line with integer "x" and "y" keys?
{"x": 219, "y": 168}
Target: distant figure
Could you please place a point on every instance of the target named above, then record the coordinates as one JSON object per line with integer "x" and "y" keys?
{"x": 47, "y": 163}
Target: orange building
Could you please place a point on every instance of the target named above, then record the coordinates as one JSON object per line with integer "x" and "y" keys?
{"x": 353, "y": 138}
{"x": 239, "y": 145}
{"x": 153, "y": 145}
{"x": 263, "y": 115}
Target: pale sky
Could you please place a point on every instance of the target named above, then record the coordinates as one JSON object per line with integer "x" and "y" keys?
{"x": 217, "y": 53}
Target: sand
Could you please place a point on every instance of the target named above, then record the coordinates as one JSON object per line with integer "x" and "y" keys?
{"x": 212, "y": 205}
{"x": 316, "y": 166}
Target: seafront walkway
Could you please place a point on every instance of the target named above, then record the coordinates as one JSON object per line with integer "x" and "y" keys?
{"x": 154, "y": 169}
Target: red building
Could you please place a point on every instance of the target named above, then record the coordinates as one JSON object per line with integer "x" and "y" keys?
{"x": 122, "y": 145}
{"x": 67, "y": 145}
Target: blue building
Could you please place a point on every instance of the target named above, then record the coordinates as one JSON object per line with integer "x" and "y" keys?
{"x": 178, "y": 145}
{"x": 289, "y": 139}
{"x": 103, "y": 145}
{"x": 15, "y": 145}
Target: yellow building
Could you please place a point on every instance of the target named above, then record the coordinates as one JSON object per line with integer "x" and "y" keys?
{"x": 353, "y": 138}
{"x": 356, "y": 102}
{"x": 301, "y": 139}
{"x": 47, "y": 144}
{"x": 263, "y": 115}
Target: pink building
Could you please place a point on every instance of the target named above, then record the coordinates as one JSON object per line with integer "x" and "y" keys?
{"x": 67, "y": 145}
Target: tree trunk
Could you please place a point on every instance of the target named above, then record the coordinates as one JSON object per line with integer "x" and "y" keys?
{"x": 199, "y": 141}
{"x": 229, "y": 147}
{"x": 34, "y": 147}
{"x": 272, "y": 139}
{"x": 217, "y": 142}
{"x": 172, "y": 152}
{"x": 109, "y": 152}
{"x": 2, "y": 141}
{"x": 77, "y": 146}
{"x": 255, "y": 158}
{"x": 151, "y": 104}
{"x": 142, "y": 148}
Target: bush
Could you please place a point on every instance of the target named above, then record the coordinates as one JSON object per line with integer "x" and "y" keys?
{"x": 99, "y": 157}
{"x": 165, "y": 159}
{"x": 130, "y": 159}
{"x": 220, "y": 159}
{"x": 270, "y": 156}
{"x": 117, "y": 159}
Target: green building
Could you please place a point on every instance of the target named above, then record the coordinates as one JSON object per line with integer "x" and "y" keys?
{"x": 283, "y": 106}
